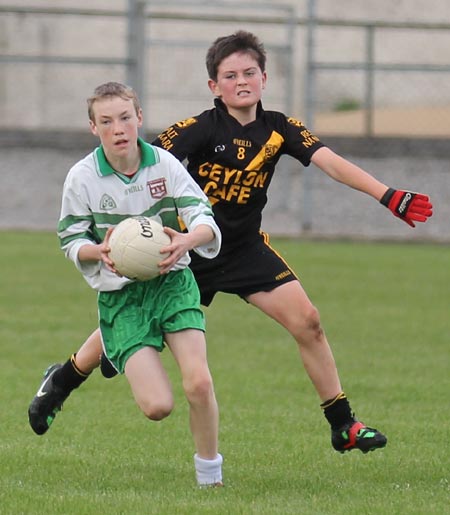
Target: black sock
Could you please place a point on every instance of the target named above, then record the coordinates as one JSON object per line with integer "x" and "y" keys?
{"x": 337, "y": 411}
{"x": 69, "y": 376}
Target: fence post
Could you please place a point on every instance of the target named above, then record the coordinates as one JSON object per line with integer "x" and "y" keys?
{"x": 309, "y": 112}
{"x": 370, "y": 60}
{"x": 136, "y": 48}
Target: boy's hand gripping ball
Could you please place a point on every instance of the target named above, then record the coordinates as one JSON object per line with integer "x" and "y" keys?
{"x": 135, "y": 247}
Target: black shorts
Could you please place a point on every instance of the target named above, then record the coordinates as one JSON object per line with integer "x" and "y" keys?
{"x": 250, "y": 269}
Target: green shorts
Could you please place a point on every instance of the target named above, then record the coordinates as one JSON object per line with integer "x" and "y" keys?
{"x": 141, "y": 313}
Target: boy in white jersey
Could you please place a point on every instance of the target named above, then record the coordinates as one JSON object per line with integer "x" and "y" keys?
{"x": 138, "y": 318}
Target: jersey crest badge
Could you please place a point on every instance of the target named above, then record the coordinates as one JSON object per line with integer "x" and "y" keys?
{"x": 107, "y": 203}
{"x": 185, "y": 123}
{"x": 269, "y": 152}
{"x": 294, "y": 121}
{"x": 157, "y": 188}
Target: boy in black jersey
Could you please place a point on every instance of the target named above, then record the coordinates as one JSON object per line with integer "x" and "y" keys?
{"x": 231, "y": 152}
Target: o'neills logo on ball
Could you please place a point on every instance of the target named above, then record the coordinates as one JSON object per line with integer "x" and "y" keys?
{"x": 146, "y": 226}
{"x": 157, "y": 188}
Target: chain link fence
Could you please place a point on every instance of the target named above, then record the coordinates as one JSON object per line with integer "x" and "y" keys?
{"x": 376, "y": 91}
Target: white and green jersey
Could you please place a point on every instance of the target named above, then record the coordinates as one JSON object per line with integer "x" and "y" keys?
{"x": 96, "y": 197}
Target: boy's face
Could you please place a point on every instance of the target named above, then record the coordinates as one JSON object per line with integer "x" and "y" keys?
{"x": 240, "y": 81}
{"x": 116, "y": 123}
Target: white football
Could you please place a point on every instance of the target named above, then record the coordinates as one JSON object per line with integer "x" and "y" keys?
{"x": 135, "y": 247}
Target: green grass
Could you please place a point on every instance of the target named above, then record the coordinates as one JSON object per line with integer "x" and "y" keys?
{"x": 385, "y": 308}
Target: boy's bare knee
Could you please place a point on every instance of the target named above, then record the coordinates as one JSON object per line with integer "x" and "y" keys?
{"x": 157, "y": 411}
{"x": 199, "y": 389}
{"x": 313, "y": 320}
{"x": 307, "y": 328}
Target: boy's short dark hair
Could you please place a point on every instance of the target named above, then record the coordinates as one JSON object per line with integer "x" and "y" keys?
{"x": 240, "y": 41}
{"x": 112, "y": 89}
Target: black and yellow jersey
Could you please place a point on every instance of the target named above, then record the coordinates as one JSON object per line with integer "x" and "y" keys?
{"x": 234, "y": 164}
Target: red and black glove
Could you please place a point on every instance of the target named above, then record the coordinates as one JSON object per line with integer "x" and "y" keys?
{"x": 410, "y": 207}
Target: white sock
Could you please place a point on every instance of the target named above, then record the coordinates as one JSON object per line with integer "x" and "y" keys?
{"x": 208, "y": 472}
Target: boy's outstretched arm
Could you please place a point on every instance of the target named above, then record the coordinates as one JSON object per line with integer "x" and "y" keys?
{"x": 409, "y": 206}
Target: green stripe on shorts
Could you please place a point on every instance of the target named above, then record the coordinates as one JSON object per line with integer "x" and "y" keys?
{"x": 142, "y": 312}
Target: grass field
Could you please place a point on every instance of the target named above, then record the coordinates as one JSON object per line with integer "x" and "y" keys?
{"x": 385, "y": 309}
